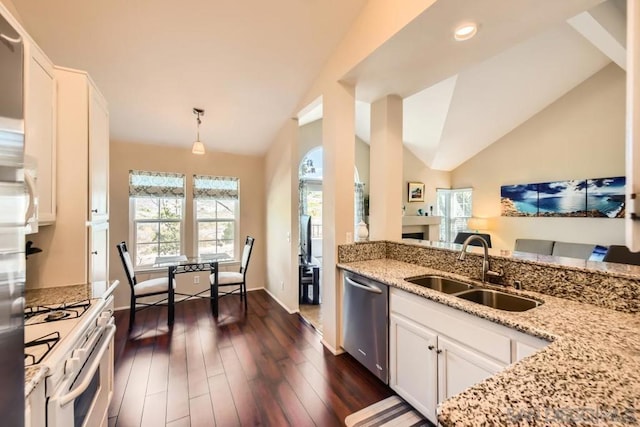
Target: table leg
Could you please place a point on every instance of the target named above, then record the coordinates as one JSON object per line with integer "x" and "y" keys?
{"x": 172, "y": 297}
{"x": 214, "y": 292}
{"x": 316, "y": 285}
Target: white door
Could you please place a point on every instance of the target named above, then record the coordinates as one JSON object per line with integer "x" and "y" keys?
{"x": 413, "y": 364}
{"x": 459, "y": 368}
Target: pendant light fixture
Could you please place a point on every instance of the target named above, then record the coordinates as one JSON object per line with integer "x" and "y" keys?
{"x": 198, "y": 147}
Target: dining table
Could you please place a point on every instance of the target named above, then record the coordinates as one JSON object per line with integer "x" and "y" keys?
{"x": 180, "y": 264}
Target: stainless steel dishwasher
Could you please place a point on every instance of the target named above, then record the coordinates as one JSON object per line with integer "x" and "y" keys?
{"x": 365, "y": 323}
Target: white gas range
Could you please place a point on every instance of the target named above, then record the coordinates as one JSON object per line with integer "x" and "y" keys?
{"x": 75, "y": 342}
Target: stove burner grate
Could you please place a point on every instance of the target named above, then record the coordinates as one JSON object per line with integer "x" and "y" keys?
{"x": 48, "y": 340}
{"x": 55, "y": 312}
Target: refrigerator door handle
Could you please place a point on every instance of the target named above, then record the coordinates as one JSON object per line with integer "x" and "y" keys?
{"x": 31, "y": 201}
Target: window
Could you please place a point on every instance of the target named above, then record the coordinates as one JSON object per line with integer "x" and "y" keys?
{"x": 454, "y": 206}
{"x": 216, "y": 212}
{"x": 157, "y": 206}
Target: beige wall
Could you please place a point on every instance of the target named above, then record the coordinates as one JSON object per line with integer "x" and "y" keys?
{"x": 311, "y": 137}
{"x": 249, "y": 169}
{"x": 282, "y": 236}
{"x": 414, "y": 170}
{"x": 579, "y": 136}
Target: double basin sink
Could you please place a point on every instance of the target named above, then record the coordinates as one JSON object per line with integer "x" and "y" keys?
{"x": 487, "y": 297}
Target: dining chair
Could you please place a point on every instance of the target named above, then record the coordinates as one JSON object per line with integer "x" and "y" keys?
{"x": 236, "y": 279}
{"x": 146, "y": 288}
{"x": 621, "y": 254}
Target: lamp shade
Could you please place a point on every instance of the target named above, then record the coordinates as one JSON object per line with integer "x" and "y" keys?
{"x": 475, "y": 223}
{"x": 198, "y": 148}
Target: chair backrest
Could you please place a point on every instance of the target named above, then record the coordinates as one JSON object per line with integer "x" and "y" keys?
{"x": 246, "y": 254}
{"x": 126, "y": 263}
{"x": 622, "y": 255}
{"x": 463, "y": 235}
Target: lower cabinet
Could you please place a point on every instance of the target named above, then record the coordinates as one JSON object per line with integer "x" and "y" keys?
{"x": 436, "y": 352}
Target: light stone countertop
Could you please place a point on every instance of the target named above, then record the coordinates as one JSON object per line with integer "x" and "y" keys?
{"x": 588, "y": 375}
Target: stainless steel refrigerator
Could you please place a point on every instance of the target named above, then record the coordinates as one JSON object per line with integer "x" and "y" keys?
{"x": 14, "y": 200}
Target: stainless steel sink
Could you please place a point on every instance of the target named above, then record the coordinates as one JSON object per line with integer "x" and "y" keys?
{"x": 498, "y": 300}
{"x": 441, "y": 284}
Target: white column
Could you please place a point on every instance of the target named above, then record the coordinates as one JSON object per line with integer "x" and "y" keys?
{"x": 338, "y": 142}
{"x": 386, "y": 193}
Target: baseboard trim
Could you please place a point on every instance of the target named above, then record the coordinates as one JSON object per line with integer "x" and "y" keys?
{"x": 335, "y": 352}
{"x": 280, "y": 302}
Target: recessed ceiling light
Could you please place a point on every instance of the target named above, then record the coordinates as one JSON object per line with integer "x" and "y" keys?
{"x": 465, "y": 31}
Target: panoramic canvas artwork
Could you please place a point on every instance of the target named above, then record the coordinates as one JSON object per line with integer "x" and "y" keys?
{"x": 606, "y": 198}
{"x": 563, "y": 198}
{"x": 519, "y": 200}
{"x": 597, "y": 198}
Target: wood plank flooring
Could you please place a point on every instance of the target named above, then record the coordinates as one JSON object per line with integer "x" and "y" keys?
{"x": 265, "y": 368}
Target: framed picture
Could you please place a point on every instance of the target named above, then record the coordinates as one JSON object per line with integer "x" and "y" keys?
{"x": 416, "y": 192}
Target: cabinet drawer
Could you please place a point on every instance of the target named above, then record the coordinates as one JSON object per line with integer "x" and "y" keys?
{"x": 471, "y": 330}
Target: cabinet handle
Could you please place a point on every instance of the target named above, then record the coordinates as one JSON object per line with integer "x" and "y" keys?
{"x": 431, "y": 347}
{"x": 95, "y": 252}
{"x": 94, "y": 210}
{"x": 438, "y": 351}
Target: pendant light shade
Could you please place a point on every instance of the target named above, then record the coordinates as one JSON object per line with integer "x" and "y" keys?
{"x": 198, "y": 147}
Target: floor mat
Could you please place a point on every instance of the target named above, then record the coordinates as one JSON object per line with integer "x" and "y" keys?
{"x": 392, "y": 411}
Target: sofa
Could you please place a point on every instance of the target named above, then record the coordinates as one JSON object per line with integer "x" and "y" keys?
{"x": 555, "y": 248}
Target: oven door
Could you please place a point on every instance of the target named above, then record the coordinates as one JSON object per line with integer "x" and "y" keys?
{"x": 82, "y": 399}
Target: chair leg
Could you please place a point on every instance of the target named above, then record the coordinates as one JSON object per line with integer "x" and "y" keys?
{"x": 132, "y": 312}
{"x": 244, "y": 294}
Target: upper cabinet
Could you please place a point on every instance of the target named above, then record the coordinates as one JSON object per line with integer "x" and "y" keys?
{"x": 40, "y": 129}
{"x": 98, "y": 156}
{"x": 83, "y": 144}
{"x": 633, "y": 127}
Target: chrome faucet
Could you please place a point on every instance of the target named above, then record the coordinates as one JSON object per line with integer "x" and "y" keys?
{"x": 486, "y": 264}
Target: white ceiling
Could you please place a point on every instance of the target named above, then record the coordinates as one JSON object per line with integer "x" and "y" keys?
{"x": 459, "y": 98}
{"x": 247, "y": 63}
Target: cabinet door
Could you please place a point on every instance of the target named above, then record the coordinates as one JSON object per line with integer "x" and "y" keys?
{"x": 40, "y": 129}
{"x": 413, "y": 369}
{"x": 459, "y": 368}
{"x": 98, "y": 156}
{"x": 99, "y": 256}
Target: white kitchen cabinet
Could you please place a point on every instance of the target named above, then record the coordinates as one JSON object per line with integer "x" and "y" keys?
{"x": 98, "y": 156}
{"x": 99, "y": 253}
{"x": 632, "y": 219}
{"x": 83, "y": 163}
{"x": 460, "y": 367}
{"x": 40, "y": 128}
{"x": 413, "y": 364}
{"x": 436, "y": 351}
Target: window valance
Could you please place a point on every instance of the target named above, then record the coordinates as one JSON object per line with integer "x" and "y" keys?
{"x": 156, "y": 184}
{"x": 215, "y": 187}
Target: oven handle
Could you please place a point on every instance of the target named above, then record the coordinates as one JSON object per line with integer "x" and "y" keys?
{"x": 110, "y": 330}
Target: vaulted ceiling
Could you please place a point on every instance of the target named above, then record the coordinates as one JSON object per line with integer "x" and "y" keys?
{"x": 249, "y": 64}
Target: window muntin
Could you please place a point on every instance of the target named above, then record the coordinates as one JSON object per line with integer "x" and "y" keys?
{"x": 157, "y": 215}
{"x": 216, "y": 201}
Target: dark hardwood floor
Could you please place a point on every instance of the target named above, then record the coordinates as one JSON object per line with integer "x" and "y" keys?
{"x": 264, "y": 368}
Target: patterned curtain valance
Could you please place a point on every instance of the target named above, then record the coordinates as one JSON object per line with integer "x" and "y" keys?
{"x": 156, "y": 184}
{"x": 215, "y": 187}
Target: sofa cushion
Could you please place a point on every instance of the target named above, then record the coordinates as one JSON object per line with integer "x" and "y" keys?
{"x": 543, "y": 247}
{"x": 573, "y": 250}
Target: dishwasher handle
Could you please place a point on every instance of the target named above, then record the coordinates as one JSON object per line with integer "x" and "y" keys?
{"x": 368, "y": 288}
